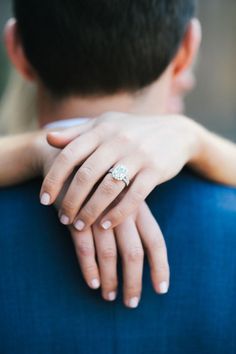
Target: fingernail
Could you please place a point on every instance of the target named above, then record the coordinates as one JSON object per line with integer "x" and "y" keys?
{"x": 163, "y": 287}
{"x": 45, "y": 199}
{"x": 64, "y": 220}
{"x": 111, "y": 296}
{"x": 106, "y": 225}
{"x": 95, "y": 283}
{"x": 133, "y": 303}
{"x": 79, "y": 225}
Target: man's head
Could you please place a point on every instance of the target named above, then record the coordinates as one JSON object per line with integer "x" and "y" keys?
{"x": 89, "y": 47}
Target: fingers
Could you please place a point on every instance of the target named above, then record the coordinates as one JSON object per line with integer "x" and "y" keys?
{"x": 155, "y": 248}
{"x": 64, "y": 165}
{"x": 60, "y": 139}
{"x": 144, "y": 183}
{"x": 107, "y": 259}
{"x": 106, "y": 193}
{"x": 132, "y": 254}
{"x": 84, "y": 181}
{"x": 85, "y": 251}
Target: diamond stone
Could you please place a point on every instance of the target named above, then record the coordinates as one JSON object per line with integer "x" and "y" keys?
{"x": 120, "y": 172}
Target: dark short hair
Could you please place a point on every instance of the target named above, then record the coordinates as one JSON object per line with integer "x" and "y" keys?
{"x": 86, "y": 47}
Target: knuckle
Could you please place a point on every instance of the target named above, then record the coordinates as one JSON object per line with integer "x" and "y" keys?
{"x": 105, "y": 124}
{"x": 84, "y": 249}
{"x": 117, "y": 214}
{"x": 84, "y": 174}
{"x": 133, "y": 289}
{"x": 50, "y": 182}
{"x": 160, "y": 170}
{"x": 137, "y": 196}
{"x": 109, "y": 254}
{"x": 135, "y": 255}
{"x": 89, "y": 212}
{"x": 108, "y": 187}
{"x": 66, "y": 155}
{"x": 103, "y": 127}
{"x": 109, "y": 282}
{"x": 157, "y": 244}
{"x": 143, "y": 151}
{"x": 148, "y": 163}
{"x": 89, "y": 270}
{"x": 68, "y": 206}
{"x": 124, "y": 138}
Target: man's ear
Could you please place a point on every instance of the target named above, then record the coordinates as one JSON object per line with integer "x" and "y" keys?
{"x": 15, "y": 50}
{"x": 189, "y": 48}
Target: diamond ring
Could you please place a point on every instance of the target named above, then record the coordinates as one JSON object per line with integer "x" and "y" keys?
{"x": 120, "y": 173}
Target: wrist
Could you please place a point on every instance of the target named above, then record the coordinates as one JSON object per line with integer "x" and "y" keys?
{"x": 37, "y": 146}
{"x": 189, "y": 137}
{"x": 198, "y": 136}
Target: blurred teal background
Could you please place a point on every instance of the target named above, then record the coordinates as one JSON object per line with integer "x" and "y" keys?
{"x": 4, "y": 14}
{"x": 213, "y": 102}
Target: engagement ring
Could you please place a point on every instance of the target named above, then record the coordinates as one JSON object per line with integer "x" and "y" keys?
{"x": 120, "y": 173}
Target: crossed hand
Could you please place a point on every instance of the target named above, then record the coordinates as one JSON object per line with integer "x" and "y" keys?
{"x": 104, "y": 215}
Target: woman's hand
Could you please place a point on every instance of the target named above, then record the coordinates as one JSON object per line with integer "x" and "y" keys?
{"x": 137, "y": 232}
{"x": 97, "y": 249}
{"x": 154, "y": 149}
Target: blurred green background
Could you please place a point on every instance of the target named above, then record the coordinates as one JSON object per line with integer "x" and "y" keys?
{"x": 213, "y": 102}
{"x": 4, "y": 14}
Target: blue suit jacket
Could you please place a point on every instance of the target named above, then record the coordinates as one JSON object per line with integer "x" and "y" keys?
{"x": 46, "y": 308}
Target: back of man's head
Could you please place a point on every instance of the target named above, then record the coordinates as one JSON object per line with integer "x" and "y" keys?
{"x": 85, "y": 47}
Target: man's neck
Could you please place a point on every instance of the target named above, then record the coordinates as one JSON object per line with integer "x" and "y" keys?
{"x": 50, "y": 111}
{"x": 151, "y": 101}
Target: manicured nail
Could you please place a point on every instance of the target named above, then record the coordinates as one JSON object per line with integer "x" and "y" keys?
{"x": 64, "y": 220}
{"x": 95, "y": 284}
{"x": 79, "y": 225}
{"x": 111, "y": 296}
{"x": 163, "y": 287}
{"x": 45, "y": 199}
{"x": 106, "y": 225}
{"x": 133, "y": 303}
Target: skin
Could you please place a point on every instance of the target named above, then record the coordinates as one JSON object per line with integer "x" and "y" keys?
{"x": 133, "y": 145}
{"x": 157, "y": 150}
{"x": 163, "y": 146}
{"x": 27, "y": 156}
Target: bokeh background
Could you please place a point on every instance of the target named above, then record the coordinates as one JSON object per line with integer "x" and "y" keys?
{"x": 213, "y": 102}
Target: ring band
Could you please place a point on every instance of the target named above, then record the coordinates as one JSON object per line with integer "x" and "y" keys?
{"x": 120, "y": 173}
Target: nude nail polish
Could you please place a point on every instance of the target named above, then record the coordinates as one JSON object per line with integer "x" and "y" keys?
{"x": 111, "y": 296}
{"x": 79, "y": 225}
{"x": 95, "y": 283}
{"x": 45, "y": 199}
{"x": 133, "y": 303}
{"x": 64, "y": 220}
{"x": 163, "y": 287}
